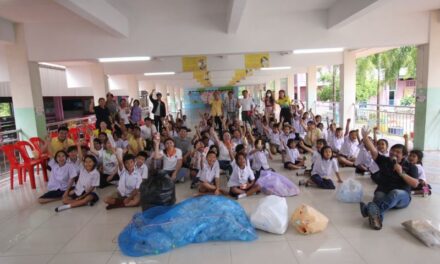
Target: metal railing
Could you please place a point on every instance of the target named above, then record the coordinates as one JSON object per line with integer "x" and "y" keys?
{"x": 74, "y": 122}
{"x": 393, "y": 120}
{"x": 325, "y": 109}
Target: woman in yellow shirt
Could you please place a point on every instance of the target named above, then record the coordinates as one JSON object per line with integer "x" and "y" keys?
{"x": 217, "y": 109}
{"x": 284, "y": 102}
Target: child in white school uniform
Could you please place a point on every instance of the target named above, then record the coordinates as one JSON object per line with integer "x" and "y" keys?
{"x": 293, "y": 160}
{"x": 82, "y": 194}
{"x": 284, "y": 137}
{"x": 274, "y": 138}
{"x": 209, "y": 175}
{"x": 72, "y": 153}
{"x": 242, "y": 181}
{"x": 109, "y": 164}
{"x": 415, "y": 157}
{"x": 350, "y": 147}
{"x": 141, "y": 164}
{"x": 259, "y": 157}
{"x": 130, "y": 180}
{"x": 62, "y": 172}
{"x": 324, "y": 168}
{"x": 316, "y": 154}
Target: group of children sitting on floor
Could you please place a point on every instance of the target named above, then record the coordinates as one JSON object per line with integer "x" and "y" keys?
{"x": 125, "y": 155}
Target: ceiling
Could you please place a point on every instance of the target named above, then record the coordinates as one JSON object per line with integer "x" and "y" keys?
{"x": 71, "y": 32}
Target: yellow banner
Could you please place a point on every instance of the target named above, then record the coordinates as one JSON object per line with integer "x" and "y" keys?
{"x": 201, "y": 75}
{"x": 194, "y": 63}
{"x": 240, "y": 74}
{"x": 256, "y": 60}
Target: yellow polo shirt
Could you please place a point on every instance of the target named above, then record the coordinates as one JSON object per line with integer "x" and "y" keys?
{"x": 56, "y": 145}
{"x": 134, "y": 144}
{"x": 216, "y": 107}
{"x": 284, "y": 102}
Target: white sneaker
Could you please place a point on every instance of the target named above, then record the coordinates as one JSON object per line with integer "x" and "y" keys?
{"x": 241, "y": 196}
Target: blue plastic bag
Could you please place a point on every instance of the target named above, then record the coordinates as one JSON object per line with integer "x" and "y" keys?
{"x": 196, "y": 220}
{"x": 351, "y": 191}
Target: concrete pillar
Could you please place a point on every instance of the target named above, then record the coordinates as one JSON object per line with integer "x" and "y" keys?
{"x": 291, "y": 85}
{"x": 25, "y": 85}
{"x": 311, "y": 89}
{"x": 348, "y": 88}
{"x": 133, "y": 87}
{"x": 98, "y": 81}
{"x": 298, "y": 87}
{"x": 427, "y": 121}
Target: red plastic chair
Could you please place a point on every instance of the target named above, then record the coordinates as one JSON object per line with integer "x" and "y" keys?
{"x": 30, "y": 163}
{"x": 14, "y": 164}
{"x": 38, "y": 143}
{"x": 74, "y": 133}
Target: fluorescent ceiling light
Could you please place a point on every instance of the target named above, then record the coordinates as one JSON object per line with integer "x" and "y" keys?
{"x": 123, "y": 59}
{"x": 326, "y": 50}
{"x": 52, "y": 65}
{"x": 276, "y": 68}
{"x": 158, "y": 73}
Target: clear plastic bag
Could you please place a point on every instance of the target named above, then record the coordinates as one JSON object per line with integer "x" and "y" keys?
{"x": 350, "y": 191}
{"x": 424, "y": 231}
{"x": 307, "y": 220}
{"x": 196, "y": 220}
{"x": 273, "y": 183}
{"x": 271, "y": 215}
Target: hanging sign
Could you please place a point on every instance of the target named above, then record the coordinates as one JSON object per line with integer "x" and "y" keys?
{"x": 194, "y": 63}
{"x": 256, "y": 60}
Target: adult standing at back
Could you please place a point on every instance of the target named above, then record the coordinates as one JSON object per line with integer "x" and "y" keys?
{"x": 124, "y": 112}
{"x": 231, "y": 106}
{"x": 216, "y": 109}
{"x": 101, "y": 111}
{"x": 111, "y": 105}
{"x": 247, "y": 107}
{"x": 269, "y": 104}
{"x": 136, "y": 113}
{"x": 159, "y": 109}
{"x": 284, "y": 102}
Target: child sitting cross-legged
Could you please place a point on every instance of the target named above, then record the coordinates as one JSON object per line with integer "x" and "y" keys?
{"x": 62, "y": 172}
{"x": 82, "y": 194}
{"x": 242, "y": 181}
{"x": 130, "y": 180}
{"x": 209, "y": 175}
{"x": 293, "y": 159}
{"x": 323, "y": 169}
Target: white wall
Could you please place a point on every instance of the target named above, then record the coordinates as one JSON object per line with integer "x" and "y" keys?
{"x": 54, "y": 83}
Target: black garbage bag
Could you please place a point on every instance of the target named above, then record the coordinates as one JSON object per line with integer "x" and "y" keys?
{"x": 157, "y": 191}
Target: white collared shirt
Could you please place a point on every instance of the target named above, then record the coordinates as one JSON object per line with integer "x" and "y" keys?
{"x": 240, "y": 176}
{"x": 209, "y": 173}
{"x": 292, "y": 155}
{"x": 260, "y": 160}
{"x": 325, "y": 168}
{"x": 142, "y": 170}
{"x": 350, "y": 148}
{"x": 86, "y": 181}
{"x": 60, "y": 175}
{"x": 128, "y": 182}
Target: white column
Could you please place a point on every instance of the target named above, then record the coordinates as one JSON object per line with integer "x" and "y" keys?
{"x": 311, "y": 88}
{"x": 99, "y": 81}
{"x": 291, "y": 85}
{"x": 298, "y": 87}
{"x": 133, "y": 87}
{"x": 25, "y": 86}
{"x": 348, "y": 88}
{"x": 426, "y": 120}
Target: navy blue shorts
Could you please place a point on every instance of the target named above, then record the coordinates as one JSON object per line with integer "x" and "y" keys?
{"x": 94, "y": 200}
{"x": 53, "y": 194}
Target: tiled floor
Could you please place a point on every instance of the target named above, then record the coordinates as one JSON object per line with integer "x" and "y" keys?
{"x": 31, "y": 233}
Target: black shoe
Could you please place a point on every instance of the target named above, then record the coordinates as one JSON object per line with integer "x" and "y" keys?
{"x": 374, "y": 216}
{"x": 364, "y": 209}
